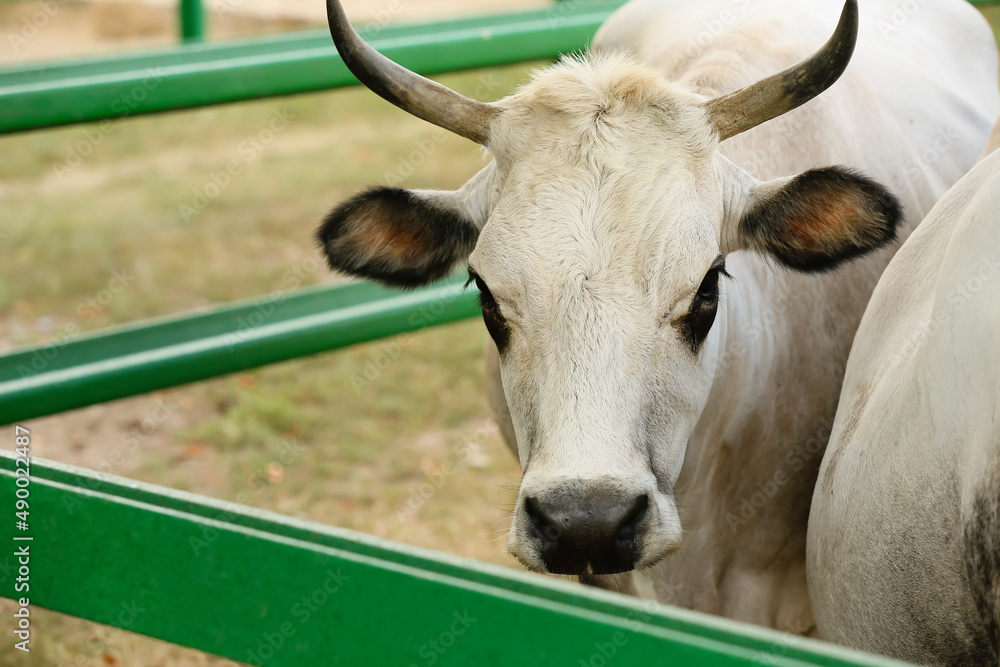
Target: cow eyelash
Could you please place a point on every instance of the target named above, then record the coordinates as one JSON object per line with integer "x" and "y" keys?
{"x": 719, "y": 265}
{"x": 716, "y": 271}
{"x": 697, "y": 322}
{"x": 485, "y": 296}
{"x": 496, "y": 324}
{"x": 480, "y": 284}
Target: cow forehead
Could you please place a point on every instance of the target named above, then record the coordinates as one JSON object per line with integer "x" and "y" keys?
{"x": 604, "y": 173}
{"x": 601, "y": 107}
{"x": 634, "y": 267}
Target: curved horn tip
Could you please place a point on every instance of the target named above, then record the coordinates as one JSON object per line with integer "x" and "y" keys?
{"x": 773, "y": 96}
{"x": 408, "y": 90}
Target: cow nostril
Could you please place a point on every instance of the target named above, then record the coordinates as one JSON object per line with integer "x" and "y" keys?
{"x": 623, "y": 528}
{"x": 596, "y": 532}
{"x": 542, "y": 522}
{"x": 629, "y": 525}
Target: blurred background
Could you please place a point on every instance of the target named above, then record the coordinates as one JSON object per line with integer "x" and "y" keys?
{"x": 354, "y": 438}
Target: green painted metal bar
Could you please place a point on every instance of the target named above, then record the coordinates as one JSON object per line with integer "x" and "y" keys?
{"x": 270, "y": 590}
{"x": 192, "y": 20}
{"x": 69, "y": 373}
{"x": 190, "y": 54}
{"x": 37, "y": 97}
{"x": 198, "y": 53}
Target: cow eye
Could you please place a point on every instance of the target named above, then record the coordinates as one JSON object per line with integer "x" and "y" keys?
{"x": 495, "y": 322}
{"x": 704, "y": 306}
{"x": 481, "y": 286}
{"x": 709, "y": 288}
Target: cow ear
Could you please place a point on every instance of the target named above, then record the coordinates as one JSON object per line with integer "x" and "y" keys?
{"x": 403, "y": 238}
{"x": 820, "y": 218}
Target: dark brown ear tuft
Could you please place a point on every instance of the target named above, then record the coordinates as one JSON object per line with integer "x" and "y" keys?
{"x": 822, "y": 218}
{"x": 396, "y": 237}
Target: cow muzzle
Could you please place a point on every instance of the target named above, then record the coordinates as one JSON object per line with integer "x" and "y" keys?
{"x": 595, "y": 532}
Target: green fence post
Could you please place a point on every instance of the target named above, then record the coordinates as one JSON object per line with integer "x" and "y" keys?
{"x": 192, "y": 17}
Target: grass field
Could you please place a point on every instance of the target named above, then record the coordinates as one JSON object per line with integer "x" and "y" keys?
{"x": 95, "y": 231}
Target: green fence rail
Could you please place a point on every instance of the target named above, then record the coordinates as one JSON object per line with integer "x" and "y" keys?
{"x": 192, "y": 20}
{"x": 270, "y": 590}
{"x": 70, "y": 372}
{"x": 204, "y": 73}
{"x": 195, "y": 75}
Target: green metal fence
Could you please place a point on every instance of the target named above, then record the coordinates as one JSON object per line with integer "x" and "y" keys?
{"x": 206, "y": 73}
{"x": 192, "y": 20}
{"x": 267, "y": 589}
{"x": 63, "y": 375}
{"x": 255, "y": 586}
{"x": 190, "y": 15}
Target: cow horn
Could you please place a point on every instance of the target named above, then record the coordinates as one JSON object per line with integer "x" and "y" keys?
{"x": 409, "y": 91}
{"x": 769, "y": 98}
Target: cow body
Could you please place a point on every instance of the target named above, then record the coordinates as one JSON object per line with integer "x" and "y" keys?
{"x": 784, "y": 338}
{"x": 904, "y": 536}
{"x": 667, "y": 381}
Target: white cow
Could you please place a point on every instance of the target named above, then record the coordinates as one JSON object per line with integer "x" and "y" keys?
{"x": 653, "y": 397}
{"x": 904, "y": 535}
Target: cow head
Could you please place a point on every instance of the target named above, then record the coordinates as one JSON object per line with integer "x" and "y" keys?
{"x": 597, "y": 237}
